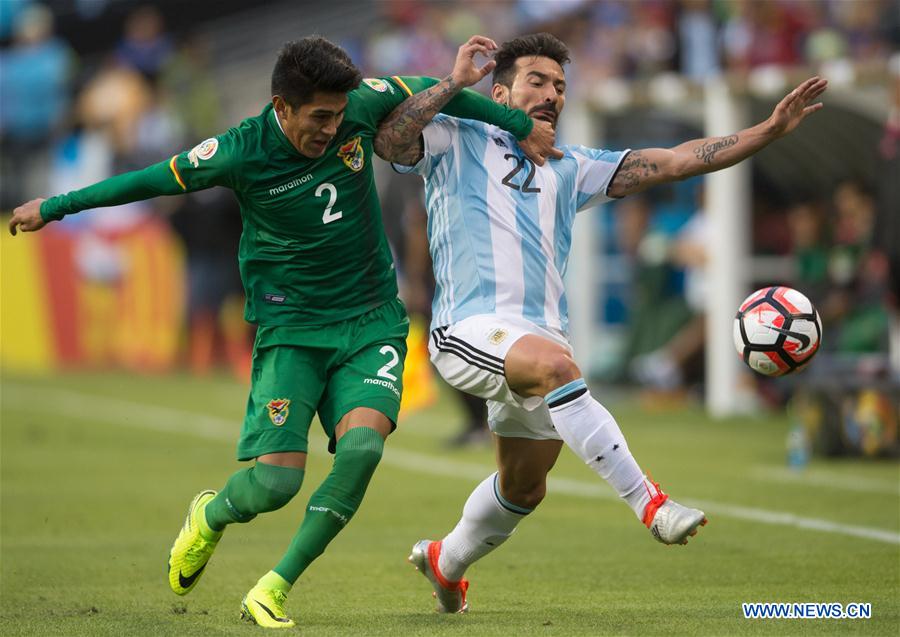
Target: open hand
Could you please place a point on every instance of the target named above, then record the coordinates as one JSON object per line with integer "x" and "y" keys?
{"x": 27, "y": 217}
{"x": 797, "y": 105}
{"x": 465, "y": 71}
{"x": 538, "y": 146}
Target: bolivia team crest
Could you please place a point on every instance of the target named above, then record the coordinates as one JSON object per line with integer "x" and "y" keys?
{"x": 352, "y": 154}
{"x": 278, "y": 410}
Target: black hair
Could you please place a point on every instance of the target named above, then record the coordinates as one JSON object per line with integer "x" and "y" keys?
{"x": 309, "y": 65}
{"x": 535, "y": 44}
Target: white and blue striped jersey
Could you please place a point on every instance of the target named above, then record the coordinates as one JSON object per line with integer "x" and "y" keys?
{"x": 499, "y": 227}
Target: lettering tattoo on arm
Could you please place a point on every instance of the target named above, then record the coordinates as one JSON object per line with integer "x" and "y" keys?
{"x": 634, "y": 170}
{"x": 399, "y": 137}
{"x": 706, "y": 152}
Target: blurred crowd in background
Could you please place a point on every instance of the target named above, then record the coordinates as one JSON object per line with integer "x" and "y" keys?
{"x": 634, "y": 39}
{"x": 76, "y": 108}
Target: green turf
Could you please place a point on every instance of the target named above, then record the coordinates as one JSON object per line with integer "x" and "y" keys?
{"x": 97, "y": 471}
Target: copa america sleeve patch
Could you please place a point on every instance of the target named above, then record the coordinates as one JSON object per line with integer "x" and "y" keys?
{"x": 375, "y": 84}
{"x": 202, "y": 151}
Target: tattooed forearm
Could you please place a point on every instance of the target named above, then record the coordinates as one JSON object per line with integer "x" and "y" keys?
{"x": 634, "y": 171}
{"x": 644, "y": 168}
{"x": 399, "y": 134}
{"x": 706, "y": 151}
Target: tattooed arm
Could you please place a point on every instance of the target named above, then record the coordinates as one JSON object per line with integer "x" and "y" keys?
{"x": 399, "y": 137}
{"x": 642, "y": 169}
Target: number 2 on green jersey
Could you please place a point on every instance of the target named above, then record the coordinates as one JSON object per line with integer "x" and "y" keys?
{"x": 385, "y": 372}
{"x": 329, "y": 216}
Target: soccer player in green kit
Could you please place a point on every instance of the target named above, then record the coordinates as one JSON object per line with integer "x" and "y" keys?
{"x": 319, "y": 282}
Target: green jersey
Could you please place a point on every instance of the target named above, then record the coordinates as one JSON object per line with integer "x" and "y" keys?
{"x": 313, "y": 249}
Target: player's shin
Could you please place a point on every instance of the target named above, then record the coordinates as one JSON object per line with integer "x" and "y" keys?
{"x": 487, "y": 522}
{"x": 330, "y": 508}
{"x": 591, "y": 432}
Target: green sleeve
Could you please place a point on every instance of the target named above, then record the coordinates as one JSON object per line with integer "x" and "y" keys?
{"x": 209, "y": 163}
{"x": 374, "y": 100}
{"x": 377, "y": 97}
{"x": 470, "y": 104}
{"x": 152, "y": 181}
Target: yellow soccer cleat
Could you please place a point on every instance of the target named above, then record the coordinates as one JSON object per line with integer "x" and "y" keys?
{"x": 191, "y": 551}
{"x": 265, "y": 607}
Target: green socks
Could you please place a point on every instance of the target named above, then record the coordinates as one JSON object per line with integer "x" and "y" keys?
{"x": 257, "y": 489}
{"x": 335, "y": 501}
{"x": 266, "y": 487}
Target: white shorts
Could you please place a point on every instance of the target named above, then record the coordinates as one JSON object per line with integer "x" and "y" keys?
{"x": 470, "y": 356}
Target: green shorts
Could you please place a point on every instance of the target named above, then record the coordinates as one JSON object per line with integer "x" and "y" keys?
{"x": 299, "y": 371}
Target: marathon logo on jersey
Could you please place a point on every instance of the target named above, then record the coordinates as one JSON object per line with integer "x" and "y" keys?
{"x": 378, "y": 85}
{"x": 278, "y": 410}
{"x": 299, "y": 181}
{"x": 277, "y": 299}
{"x": 352, "y": 153}
{"x": 203, "y": 151}
{"x": 500, "y": 142}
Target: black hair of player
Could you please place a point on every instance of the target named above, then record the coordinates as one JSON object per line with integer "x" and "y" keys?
{"x": 309, "y": 65}
{"x": 534, "y": 44}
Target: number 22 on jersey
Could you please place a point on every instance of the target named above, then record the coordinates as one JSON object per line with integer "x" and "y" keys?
{"x": 520, "y": 163}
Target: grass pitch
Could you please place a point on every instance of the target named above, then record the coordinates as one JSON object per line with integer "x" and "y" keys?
{"x": 97, "y": 472}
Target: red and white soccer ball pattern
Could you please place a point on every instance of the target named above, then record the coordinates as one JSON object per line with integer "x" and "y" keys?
{"x": 777, "y": 331}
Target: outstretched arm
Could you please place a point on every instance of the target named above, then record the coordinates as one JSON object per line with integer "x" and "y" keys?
{"x": 153, "y": 181}
{"x": 210, "y": 163}
{"x": 399, "y": 135}
{"x": 648, "y": 167}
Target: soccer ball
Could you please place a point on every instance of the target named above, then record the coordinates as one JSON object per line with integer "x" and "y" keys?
{"x": 777, "y": 331}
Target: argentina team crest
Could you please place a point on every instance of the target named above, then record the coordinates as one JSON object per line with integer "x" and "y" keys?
{"x": 352, "y": 153}
{"x": 497, "y": 336}
{"x": 278, "y": 410}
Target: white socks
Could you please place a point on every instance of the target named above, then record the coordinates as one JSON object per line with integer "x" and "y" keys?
{"x": 487, "y": 522}
{"x": 590, "y": 430}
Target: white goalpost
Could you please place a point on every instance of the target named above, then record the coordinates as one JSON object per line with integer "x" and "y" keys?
{"x": 728, "y": 205}
{"x": 728, "y": 202}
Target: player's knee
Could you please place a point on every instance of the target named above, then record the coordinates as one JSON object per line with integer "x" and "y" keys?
{"x": 275, "y": 486}
{"x": 280, "y": 497}
{"x": 557, "y": 369}
{"x": 362, "y": 462}
{"x": 527, "y": 493}
{"x": 360, "y": 448}
{"x": 357, "y": 455}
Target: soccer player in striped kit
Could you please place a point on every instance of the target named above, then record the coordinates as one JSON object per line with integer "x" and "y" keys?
{"x": 500, "y": 232}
